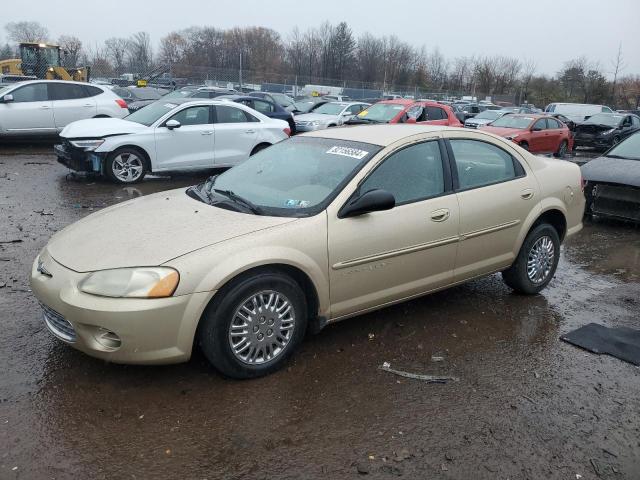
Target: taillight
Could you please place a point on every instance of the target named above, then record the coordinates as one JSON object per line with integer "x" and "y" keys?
{"x": 121, "y": 103}
{"x": 287, "y": 131}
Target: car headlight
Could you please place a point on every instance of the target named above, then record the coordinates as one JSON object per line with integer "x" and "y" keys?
{"x": 314, "y": 123}
{"x": 87, "y": 145}
{"x": 511, "y": 137}
{"x": 141, "y": 282}
{"x": 608, "y": 132}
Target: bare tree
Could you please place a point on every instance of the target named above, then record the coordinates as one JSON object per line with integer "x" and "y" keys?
{"x": 115, "y": 51}
{"x": 618, "y": 66}
{"x": 71, "y": 49}
{"x": 26, "y": 32}
{"x": 139, "y": 54}
{"x": 529, "y": 67}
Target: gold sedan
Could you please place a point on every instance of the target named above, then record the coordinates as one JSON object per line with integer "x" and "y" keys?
{"x": 315, "y": 229}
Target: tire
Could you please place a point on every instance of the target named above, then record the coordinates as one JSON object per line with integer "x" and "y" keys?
{"x": 220, "y": 330}
{"x": 126, "y": 166}
{"x": 519, "y": 277}
{"x": 525, "y": 145}
{"x": 258, "y": 148}
{"x": 615, "y": 141}
{"x": 562, "y": 149}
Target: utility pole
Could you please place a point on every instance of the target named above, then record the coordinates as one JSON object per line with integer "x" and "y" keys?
{"x": 240, "y": 73}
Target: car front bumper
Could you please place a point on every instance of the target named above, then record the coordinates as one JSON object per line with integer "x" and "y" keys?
{"x": 78, "y": 159}
{"x": 592, "y": 141}
{"x": 302, "y": 127}
{"x": 119, "y": 330}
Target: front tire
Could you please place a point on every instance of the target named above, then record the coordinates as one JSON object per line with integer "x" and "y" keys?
{"x": 254, "y": 325}
{"x": 525, "y": 145}
{"x": 536, "y": 262}
{"x": 126, "y": 165}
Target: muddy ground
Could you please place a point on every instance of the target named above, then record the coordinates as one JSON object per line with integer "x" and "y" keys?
{"x": 526, "y": 406}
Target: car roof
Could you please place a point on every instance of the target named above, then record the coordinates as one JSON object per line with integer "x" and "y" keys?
{"x": 381, "y": 135}
{"x": 398, "y": 101}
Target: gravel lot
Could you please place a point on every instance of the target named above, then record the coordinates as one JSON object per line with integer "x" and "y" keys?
{"x": 526, "y": 406}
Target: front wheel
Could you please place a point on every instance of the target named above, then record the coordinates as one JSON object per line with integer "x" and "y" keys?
{"x": 525, "y": 145}
{"x": 536, "y": 262}
{"x": 254, "y": 326}
{"x": 126, "y": 165}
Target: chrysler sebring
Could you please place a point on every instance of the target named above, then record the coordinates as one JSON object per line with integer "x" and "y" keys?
{"x": 315, "y": 229}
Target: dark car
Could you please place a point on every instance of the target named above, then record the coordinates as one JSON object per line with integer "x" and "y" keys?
{"x": 564, "y": 119}
{"x": 285, "y": 101}
{"x": 465, "y": 111}
{"x": 307, "y": 104}
{"x": 612, "y": 186}
{"x": 138, "y": 97}
{"x": 603, "y": 130}
{"x": 270, "y": 109}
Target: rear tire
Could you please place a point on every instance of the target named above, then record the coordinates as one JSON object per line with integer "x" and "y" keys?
{"x": 126, "y": 165}
{"x": 536, "y": 262}
{"x": 562, "y": 149}
{"x": 275, "y": 325}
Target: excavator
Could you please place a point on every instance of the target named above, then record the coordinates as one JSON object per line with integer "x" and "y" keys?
{"x": 41, "y": 60}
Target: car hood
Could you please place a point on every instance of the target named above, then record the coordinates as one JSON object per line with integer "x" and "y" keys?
{"x": 150, "y": 231}
{"x": 312, "y": 117}
{"x": 594, "y": 128}
{"x": 502, "y": 131}
{"x": 479, "y": 121}
{"x": 100, "y": 127}
{"x": 612, "y": 170}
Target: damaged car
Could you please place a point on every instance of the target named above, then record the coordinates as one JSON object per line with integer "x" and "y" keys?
{"x": 169, "y": 135}
{"x": 613, "y": 181}
{"x": 604, "y": 130}
{"x": 316, "y": 229}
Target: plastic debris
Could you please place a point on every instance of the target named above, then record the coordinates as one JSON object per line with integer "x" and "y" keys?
{"x": 386, "y": 366}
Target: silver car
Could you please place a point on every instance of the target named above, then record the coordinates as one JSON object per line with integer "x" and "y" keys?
{"x": 45, "y": 107}
{"x": 484, "y": 118}
{"x": 330, "y": 114}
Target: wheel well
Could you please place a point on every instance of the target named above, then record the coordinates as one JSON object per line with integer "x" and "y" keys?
{"x": 147, "y": 159}
{"x": 102, "y": 116}
{"x": 556, "y": 219}
{"x": 524, "y": 142}
{"x": 260, "y": 146}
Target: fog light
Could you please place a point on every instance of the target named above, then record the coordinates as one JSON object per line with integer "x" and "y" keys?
{"x": 108, "y": 339}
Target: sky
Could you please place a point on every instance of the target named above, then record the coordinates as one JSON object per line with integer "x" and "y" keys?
{"x": 548, "y": 31}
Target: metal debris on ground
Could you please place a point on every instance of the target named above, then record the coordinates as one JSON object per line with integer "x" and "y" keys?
{"x": 386, "y": 366}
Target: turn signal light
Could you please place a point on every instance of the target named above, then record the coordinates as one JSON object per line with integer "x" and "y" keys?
{"x": 121, "y": 103}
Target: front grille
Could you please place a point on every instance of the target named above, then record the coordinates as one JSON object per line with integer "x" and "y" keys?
{"x": 58, "y": 325}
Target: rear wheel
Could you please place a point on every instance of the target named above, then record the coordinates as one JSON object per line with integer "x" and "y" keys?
{"x": 562, "y": 149}
{"x": 536, "y": 262}
{"x": 616, "y": 140}
{"x": 254, "y": 326}
{"x": 126, "y": 165}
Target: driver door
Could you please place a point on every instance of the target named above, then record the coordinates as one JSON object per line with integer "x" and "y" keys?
{"x": 385, "y": 256}
{"x": 191, "y": 146}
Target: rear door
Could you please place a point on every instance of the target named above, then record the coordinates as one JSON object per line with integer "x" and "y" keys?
{"x": 30, "y": 112}
{"x": 539, "y": 138}
{"x": 235, "y": 134}
{"x": 189, "y": 146}
{"x": 556, "y": 134}
{"x": 495, "y": 193}
{"x": 434, "y": 116}
{"x": 71, "y": 102}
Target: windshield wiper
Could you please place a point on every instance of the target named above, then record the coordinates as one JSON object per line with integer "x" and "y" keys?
{"x": 240, "y": 200}
{"x": 620, "y": 157}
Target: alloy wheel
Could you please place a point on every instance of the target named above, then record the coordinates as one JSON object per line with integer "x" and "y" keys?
{"x": 127, "y": 167}
{"x": 540, "y": 260}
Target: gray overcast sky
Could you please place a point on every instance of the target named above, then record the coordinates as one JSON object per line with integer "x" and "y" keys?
{"x": 549, "y": 31}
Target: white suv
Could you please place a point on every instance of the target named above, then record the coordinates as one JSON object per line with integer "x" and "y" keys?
{"x": 45, "y": 107}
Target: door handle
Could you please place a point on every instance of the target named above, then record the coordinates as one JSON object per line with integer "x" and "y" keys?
{"x": 45, "y": 107}
{"x": 250, "y": 131}
{"x": 208, "y": 132}
{"x": 526, "y": 194}
{"x": 440, "y": 215}
{"x": 87, "y": 105}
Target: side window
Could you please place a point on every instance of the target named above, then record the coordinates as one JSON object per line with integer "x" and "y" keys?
{"x": 435, "y": 113}
{"x": 225, "y": 114}
{"x": 70, "y": 91}
{"x": 193, "y": 116}
{"x": 201, "y": 94}
{"x": 93, "y": 91}
{"x": 635, "y": 121}
{"x": 606, "y": 110}
{"x": 36, "y": 92}
{"x": 480, "y": 163}
{"x": 553, "y": 123}
{"x": 262, "y": 106}
{"x": 355, "y": 109}
{"x": 540, "y": 124}
{"x": 414, "y": 173}
{"x": 415, "y": 112}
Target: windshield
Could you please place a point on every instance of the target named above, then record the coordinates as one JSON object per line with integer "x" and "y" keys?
{"x": 381, "y": 112}
{"x": 489, "y": 115}
{"x": 330, "y": 108}
{"x": 304, "y": 106}
{"x": 5, "y": 89}
{"x": 282, "y": 99}
{"x": 151, "y": 113}
{"x": 605, "y": 119}
{"x": 629, "y": 148}
{"x": 179, "y": 94}
{"x": 511, "y": 121}
{"x": 295, "y": 177}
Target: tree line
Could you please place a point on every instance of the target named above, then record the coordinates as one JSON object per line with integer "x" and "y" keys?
{"x": 332, "y": 53}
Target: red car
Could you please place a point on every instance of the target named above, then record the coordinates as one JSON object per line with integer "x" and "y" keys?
{"x": 407, "y": 111}
{"x": 536, "y": 133}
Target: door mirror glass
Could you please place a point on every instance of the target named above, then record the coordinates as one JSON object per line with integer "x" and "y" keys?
{"x": 7, "y": 98}
{"x": 171, "y": 124}
{"x": 371, "y": 201}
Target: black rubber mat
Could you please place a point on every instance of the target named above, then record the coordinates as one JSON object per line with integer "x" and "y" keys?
{"x": 621, "y": 342}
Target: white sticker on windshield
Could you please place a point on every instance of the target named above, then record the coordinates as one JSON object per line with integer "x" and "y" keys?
{"x": 348, "y": 152}
{"x": 171, "y": 105}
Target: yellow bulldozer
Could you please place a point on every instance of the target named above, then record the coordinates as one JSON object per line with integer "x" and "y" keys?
{"x": 42, "y": 60}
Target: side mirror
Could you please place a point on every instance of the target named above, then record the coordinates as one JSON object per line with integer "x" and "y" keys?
{"x": 372, "y": 201}
{"x": 347, "y": 114}
{"x": 410, "y": 120}
{"x": 172, "y": 124}
{"x": 8, "y": 98}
